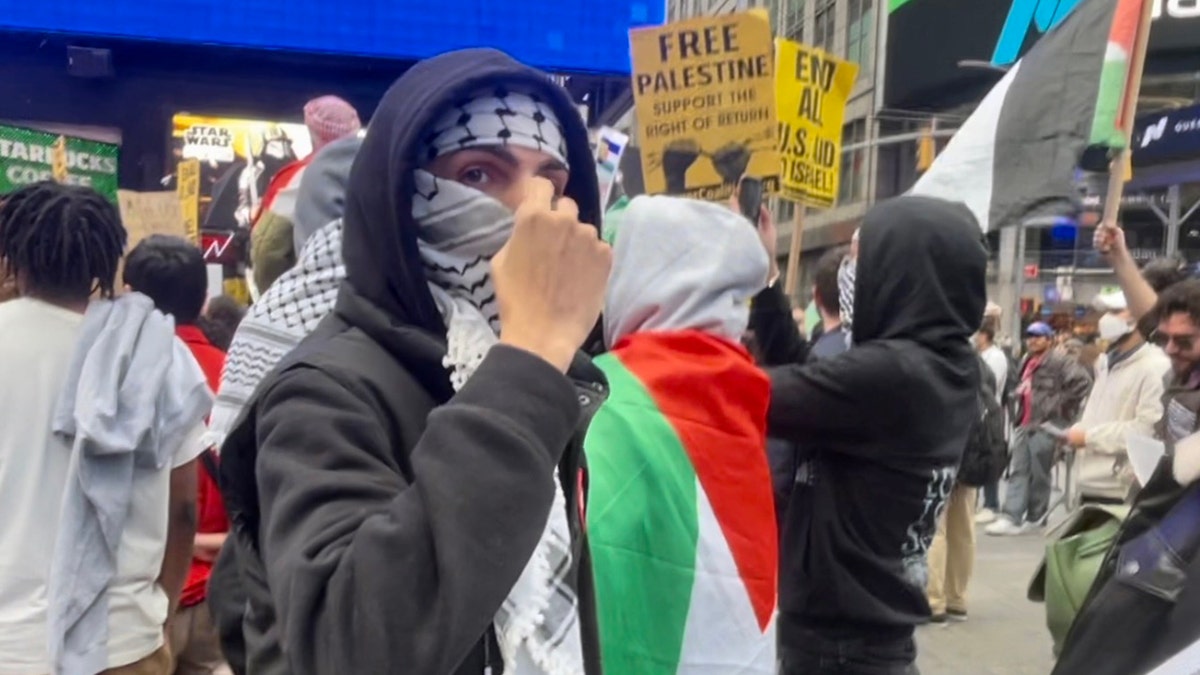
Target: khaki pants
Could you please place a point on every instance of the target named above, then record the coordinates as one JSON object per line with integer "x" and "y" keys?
{"x": 195, "y": 644}
{"x": 158, "y": 663}
{"x": 952, "y": 555}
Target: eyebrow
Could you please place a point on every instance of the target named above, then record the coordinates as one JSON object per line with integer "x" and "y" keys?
{"x": 505, "y": 155}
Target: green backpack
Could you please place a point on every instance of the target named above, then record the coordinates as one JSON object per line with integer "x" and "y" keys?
{"x": 1072, "y": 563}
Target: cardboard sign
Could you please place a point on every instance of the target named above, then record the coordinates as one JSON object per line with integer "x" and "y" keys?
{"x": 28, "y": 156}
{"x": 705, "y": 104}
{"x": 811, "y": 90}
{"x": 187, "y": 188}
{"x": 147, "y": 213}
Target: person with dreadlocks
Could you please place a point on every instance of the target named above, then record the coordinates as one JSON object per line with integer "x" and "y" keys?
{"x": 101, "y": 420}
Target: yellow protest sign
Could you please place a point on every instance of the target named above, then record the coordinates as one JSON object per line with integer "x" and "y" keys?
{"x": 58, "y": 160}
{"x": 704, "y": 96}
{"x": 187, "y": 185}
{"x": 812, "y": 88}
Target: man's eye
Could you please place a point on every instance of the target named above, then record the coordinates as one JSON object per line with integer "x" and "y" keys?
{"x": 475, "y": 176}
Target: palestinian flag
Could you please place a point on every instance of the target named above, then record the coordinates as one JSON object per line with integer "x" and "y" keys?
{"x": 1017, "y": 155}
{"x": 681, "y": 518}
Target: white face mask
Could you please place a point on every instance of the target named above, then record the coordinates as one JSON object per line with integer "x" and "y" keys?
{"x": 1113, "y": 327}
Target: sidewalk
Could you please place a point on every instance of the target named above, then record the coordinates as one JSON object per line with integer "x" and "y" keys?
{"x": 1005, "y": 634}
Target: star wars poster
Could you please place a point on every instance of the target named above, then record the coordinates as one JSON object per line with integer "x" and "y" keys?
{"x": 237, "y": 158}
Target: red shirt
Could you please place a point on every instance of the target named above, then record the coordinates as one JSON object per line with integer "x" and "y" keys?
{"x": 210, "y": 510}
{"x": 1027, "y": 389}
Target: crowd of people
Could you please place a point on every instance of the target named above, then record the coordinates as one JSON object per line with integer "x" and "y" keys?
{"x": 461, "y": 432}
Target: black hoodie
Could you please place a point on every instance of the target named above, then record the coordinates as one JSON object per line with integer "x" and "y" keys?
{"x": 883, "y": 427}
{"x": 379, "y": 519}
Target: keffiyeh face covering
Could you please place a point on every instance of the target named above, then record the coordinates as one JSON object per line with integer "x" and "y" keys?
{"x": 460, "y": 230}
{"x": 846, "y": 274}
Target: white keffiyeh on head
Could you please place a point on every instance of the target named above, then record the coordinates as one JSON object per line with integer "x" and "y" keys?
{"x": 460, "y": 231}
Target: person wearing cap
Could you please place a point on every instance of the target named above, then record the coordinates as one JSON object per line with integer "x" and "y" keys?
{"x": 272, "y": 250}
{"x": 1052, "y": 388}
{"x": 1126, "y": 399}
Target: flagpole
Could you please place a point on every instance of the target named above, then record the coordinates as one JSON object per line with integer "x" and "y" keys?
{"x": 1119, "y": 169}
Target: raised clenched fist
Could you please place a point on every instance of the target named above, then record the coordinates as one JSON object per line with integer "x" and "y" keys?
{"x": 550, "y": 277}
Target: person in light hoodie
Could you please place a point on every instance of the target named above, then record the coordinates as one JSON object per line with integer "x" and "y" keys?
{"x": 681, "y": 516}
{"x": 1126, "y": 399}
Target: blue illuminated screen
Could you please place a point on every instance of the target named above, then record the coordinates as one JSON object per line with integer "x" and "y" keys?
{"x": 560, "y": 35}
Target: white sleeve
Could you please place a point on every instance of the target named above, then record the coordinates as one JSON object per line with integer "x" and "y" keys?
{"x": 195, "y": 442}
{"x": 999, "y": 365}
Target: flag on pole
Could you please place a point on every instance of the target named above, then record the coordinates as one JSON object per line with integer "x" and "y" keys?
{"x": 681, "y": 516}
{"x": 1016, "y": 155}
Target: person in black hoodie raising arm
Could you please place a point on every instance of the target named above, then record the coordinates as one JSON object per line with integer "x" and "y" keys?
{"x": 883, "y": 427}
{"x": 406, "y": 487}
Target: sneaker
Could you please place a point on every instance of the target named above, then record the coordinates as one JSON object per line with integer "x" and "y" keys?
{"x": 938, "y": 618}
{"x": 958, "y": 615}
{"x": 985, "y": 517}
{"x": 1003, "y": 527}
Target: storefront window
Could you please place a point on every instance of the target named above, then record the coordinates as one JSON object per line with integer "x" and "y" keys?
{"x": 853, "y": 182}
{"x": 860, "y": 42}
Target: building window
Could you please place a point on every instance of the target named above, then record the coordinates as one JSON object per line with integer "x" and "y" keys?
{"x": 791, "y": 25}
{"x": 853, "y": 184}
{"x": 860, "y": 36}
{"x": 823, "y": 25}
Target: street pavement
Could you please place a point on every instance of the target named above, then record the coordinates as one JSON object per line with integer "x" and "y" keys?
{"x": 1005, "y": 634}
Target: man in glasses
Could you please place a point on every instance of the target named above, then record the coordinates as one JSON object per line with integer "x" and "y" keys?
{"x": 1178, "y": 333}
{"x": 1144, "y": 605}
{"x": 1052, "y": 387}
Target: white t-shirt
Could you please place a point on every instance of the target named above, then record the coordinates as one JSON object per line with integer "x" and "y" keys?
{"x": 36, "y": 344}
{"x": 994, "y": 358}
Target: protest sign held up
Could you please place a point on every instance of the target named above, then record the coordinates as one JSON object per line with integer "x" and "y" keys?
{"x": 704, "y": 95}
{"x": 812, "y": 89}
{"x": 187, "y": 187}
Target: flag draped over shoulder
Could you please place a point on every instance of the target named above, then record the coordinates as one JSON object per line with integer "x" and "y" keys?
{"x": 681, "y": 519}
{"x": 1016, "y": 155}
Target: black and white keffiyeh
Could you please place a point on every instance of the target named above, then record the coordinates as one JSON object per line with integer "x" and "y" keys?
{"x": 277, "y": 322}
{"x": 846, "y": 274}
{"x": 460, "y": 230}
{"x": 497, "y": 116}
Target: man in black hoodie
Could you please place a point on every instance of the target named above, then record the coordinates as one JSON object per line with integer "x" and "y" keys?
{"x": 882, "y": 427}
{"x": 406, "y": 487}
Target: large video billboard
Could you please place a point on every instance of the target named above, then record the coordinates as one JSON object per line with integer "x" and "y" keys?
{"x": 570, "y": 35}
{"x": 923, "y": 73}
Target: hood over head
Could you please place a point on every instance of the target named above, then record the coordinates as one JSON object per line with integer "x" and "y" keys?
{"x": 920, "y": 273}
{"x": 379, "y": 242}
{"x": 682, "y": 264}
